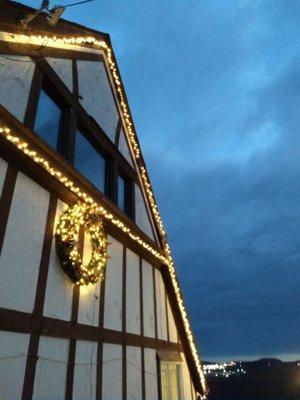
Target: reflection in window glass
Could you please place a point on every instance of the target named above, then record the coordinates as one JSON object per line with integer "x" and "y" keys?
{"x": 89, "y": 162}
{"x": 121, "y": 193}
{"x": 47, "y": 119}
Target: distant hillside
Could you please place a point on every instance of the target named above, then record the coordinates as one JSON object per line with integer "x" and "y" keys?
{"x": 265, "y": 379}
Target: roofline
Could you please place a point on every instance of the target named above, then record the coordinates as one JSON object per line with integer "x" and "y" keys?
{"x": 13, "y": 11}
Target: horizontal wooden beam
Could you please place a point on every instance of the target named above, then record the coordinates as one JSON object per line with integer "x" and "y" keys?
{"x": 17, "y": 321}
{"x": 11, "y": 154}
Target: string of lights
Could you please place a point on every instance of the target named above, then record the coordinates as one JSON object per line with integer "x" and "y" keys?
{"x": 165, "y": 258}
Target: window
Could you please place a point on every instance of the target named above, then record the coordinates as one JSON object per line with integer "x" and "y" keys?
{"x": 48, "y": 119}
{"x": 121, "y": 193}
{"x": 89, "y": 162}
{"x": 125, "y": 196}
{"x": 170, "y": 381}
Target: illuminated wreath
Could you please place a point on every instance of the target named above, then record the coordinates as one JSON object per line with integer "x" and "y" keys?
{"x": 67, "y": 232}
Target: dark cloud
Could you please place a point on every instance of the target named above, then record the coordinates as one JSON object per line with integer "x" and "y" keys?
{"x": 214, "y": 88}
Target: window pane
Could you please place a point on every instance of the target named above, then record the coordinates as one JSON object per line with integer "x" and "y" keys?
{"x": 121, "y": 193}
{"x": 89, "y": 162}
{"x": 47, "y": 119}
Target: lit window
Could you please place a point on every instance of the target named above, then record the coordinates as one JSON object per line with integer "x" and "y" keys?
{"x": 89, "y": 162}
{"x": 169, "y": 381}
{"x": 47, "y": 121}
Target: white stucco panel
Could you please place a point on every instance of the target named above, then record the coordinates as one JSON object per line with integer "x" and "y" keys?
{"x": 51, "y": 369}
{"x": 124, "y": 149}
{"x": 113, "y": 286}
{"x": 59, "y": 289}
{"x": 112, "y": 372}
{"x": 89, "y": 298}
{"x": 148, "y": 299}
{"x": 150, "y": 374}
{"x": 97, "y": 96}
{"x": 3, "y": 169}
{"x": 13, "y": 357}
{"x": 84, "y": 385}
{"x": 22, "y": 247}
{"x": 172, "y": 326}
{"x": 160, "y": 306}
{"x": 133, "y": 318}
{"x": 134, "y": 373}
{"x": 63, "y": 68}
{"x": 141, "y": 214}
{"x": 15, "y": 78}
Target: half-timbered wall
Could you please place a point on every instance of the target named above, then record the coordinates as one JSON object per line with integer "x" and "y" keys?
{"x": 131, "y": 292}
{"x": 57, "y": 340}
{"x": 95, "y": 95}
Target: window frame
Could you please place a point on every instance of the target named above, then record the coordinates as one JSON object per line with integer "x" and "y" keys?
{"x": 64, "y": 122}
{"x": 74, "y": 118}
{"x": 99, "y": 150}
{"x": 129, "y": 196}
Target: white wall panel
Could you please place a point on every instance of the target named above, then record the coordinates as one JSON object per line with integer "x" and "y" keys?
{"x": 51, "y": 369}
{"x": 89, "y": 298}
{"x": 134, "y": 373}
{"x": 113, "y": 286}
{"x": 148, "y": 299}
{"x": 141, "y": 215}
{"x": 15, "y": 78}
{"x": 84, "y": 385}
{"x": 124, "y": 149}
{"x": 186, "y": 380}
{"x": 13, "y": 357}
{"x": 59, "y": 289}
{"x": 150, "y": 374}
{"x": 3, "y": 169}
{"x": 97, "y": 97}
{"x": 63, "y": 68}
{"x": 133, "y": 319}
{"x": 112, "y": 372}
{"x": 172, "y": 326}
{"x": 22, "y": 247}
{"x": 160, "y": 306}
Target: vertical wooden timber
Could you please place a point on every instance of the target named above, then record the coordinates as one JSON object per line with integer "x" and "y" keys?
{"x": 155, "y": 305}
{"x": 142, "y": 330}
{"x": 99, "y": 383}
{"x": 74, "y": 315}
{"x": 33, "y": 98}
{"x": 124, "y": 362}
{"x": 76, "y": 288}
{"x": 167, "y": 315}
{"x": 156, "y": 336}
{"x": 32, "y": 356}
{"x": 118, "y": 131}
{"x": 6, "y": 199}
{"x": 158, "y": 377}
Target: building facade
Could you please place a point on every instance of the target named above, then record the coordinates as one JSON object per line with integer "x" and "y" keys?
{"x": 67, "y": 138}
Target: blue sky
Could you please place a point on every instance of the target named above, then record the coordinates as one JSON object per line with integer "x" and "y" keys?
{"x": 214, "y": 88}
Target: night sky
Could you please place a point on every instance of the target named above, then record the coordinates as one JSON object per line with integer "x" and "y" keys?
{"x": 214, "y": 88}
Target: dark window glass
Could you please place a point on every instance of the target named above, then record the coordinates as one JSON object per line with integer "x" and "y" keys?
{"x": 47, "y": 119}
{"x": 89, "y": 162}
{"x": 121, "y": 192}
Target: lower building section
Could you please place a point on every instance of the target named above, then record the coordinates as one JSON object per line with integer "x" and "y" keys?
{"x": 128, "y": 372}
{"x": 117, "y": 339}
